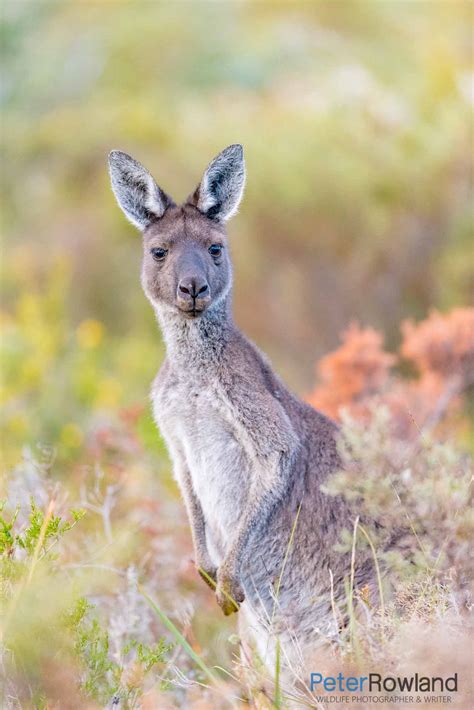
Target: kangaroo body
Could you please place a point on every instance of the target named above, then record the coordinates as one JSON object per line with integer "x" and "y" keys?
{"x": 249, "y": 456}
{"x": 229, "y": 425}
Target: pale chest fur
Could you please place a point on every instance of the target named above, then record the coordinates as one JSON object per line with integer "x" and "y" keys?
{"x": 198, "y": 424}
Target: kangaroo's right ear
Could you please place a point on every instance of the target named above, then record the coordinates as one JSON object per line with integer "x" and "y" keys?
{"x": 137, "y": 193}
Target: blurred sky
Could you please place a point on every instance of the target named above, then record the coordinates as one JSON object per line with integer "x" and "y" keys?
{"x": 357, "y": 127}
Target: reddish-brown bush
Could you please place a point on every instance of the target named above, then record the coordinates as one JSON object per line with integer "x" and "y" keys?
{"x": 360, "y": 373}
{"x": 356, "y": 371}
{"x": 442, "y": 344}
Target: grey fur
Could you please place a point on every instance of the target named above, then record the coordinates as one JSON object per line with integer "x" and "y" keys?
{"x": 222, "y": 186}
{"x": 137, "y": 193}
{"x": 247, "y": 453}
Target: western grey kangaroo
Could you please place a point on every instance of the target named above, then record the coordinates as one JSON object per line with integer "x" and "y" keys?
{"x": 249, "y": 456}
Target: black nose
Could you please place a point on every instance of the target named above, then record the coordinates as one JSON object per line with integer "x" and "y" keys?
{"x": 194, "y": 287}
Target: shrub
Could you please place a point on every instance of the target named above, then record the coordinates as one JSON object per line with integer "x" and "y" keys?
{"x": 360, "y": 375}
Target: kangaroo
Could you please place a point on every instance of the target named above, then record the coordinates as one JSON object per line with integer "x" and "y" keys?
{"x": 248, "y": 455}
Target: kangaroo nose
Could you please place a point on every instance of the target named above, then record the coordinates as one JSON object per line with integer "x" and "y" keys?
{"x": 193, "y": 286}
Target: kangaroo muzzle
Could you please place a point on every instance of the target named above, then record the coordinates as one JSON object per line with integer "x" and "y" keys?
{"x": 193, "y": 295}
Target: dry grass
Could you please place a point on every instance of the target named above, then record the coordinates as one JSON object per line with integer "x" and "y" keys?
{"x": 149, "y": 633}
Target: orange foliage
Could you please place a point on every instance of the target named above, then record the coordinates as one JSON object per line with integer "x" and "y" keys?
{"x": 359, "y": 373}
{"x": 358, "y": 369}
{"x": 412, "y": 403}
{"x": 443, "y": 343}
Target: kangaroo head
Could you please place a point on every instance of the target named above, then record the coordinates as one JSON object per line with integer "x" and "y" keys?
{"x": 186, "y": 266}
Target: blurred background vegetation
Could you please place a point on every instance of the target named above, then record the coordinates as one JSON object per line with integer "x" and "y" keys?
{"x": 356, "y": 118}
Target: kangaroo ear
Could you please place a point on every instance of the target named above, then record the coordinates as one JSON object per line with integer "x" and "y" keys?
{"x": 219, "y": 194}
{"x": 137, "y": 193}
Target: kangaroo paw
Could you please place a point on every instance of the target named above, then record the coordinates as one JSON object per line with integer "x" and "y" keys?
{"x": 229, "y": 595}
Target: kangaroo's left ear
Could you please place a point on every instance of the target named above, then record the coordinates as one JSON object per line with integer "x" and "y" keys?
{"x": 220, "y": 191}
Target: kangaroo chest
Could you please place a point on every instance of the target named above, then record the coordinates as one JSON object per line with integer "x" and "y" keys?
{"x": 202, "y": 433}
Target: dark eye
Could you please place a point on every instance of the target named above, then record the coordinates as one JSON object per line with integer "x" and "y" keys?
{"x": 215, "y": 250}
{"x": 158, "y": 253}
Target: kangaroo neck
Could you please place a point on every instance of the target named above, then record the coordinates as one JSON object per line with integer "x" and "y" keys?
{"x": 199, "y": 342}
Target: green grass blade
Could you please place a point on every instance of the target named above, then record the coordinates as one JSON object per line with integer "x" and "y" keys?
{"x": 377, "y": 568}
{"x": 285, "y": 559}
{"x": 277, "y": 697}
{"x": 180, "y": 638}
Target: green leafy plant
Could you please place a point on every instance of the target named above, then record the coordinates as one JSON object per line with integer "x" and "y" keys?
{"x": 103, "y": 678}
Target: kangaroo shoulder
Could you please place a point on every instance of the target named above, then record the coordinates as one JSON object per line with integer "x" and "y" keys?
{"x": 257, "y": 397}
{"x": 162, "y": 388}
